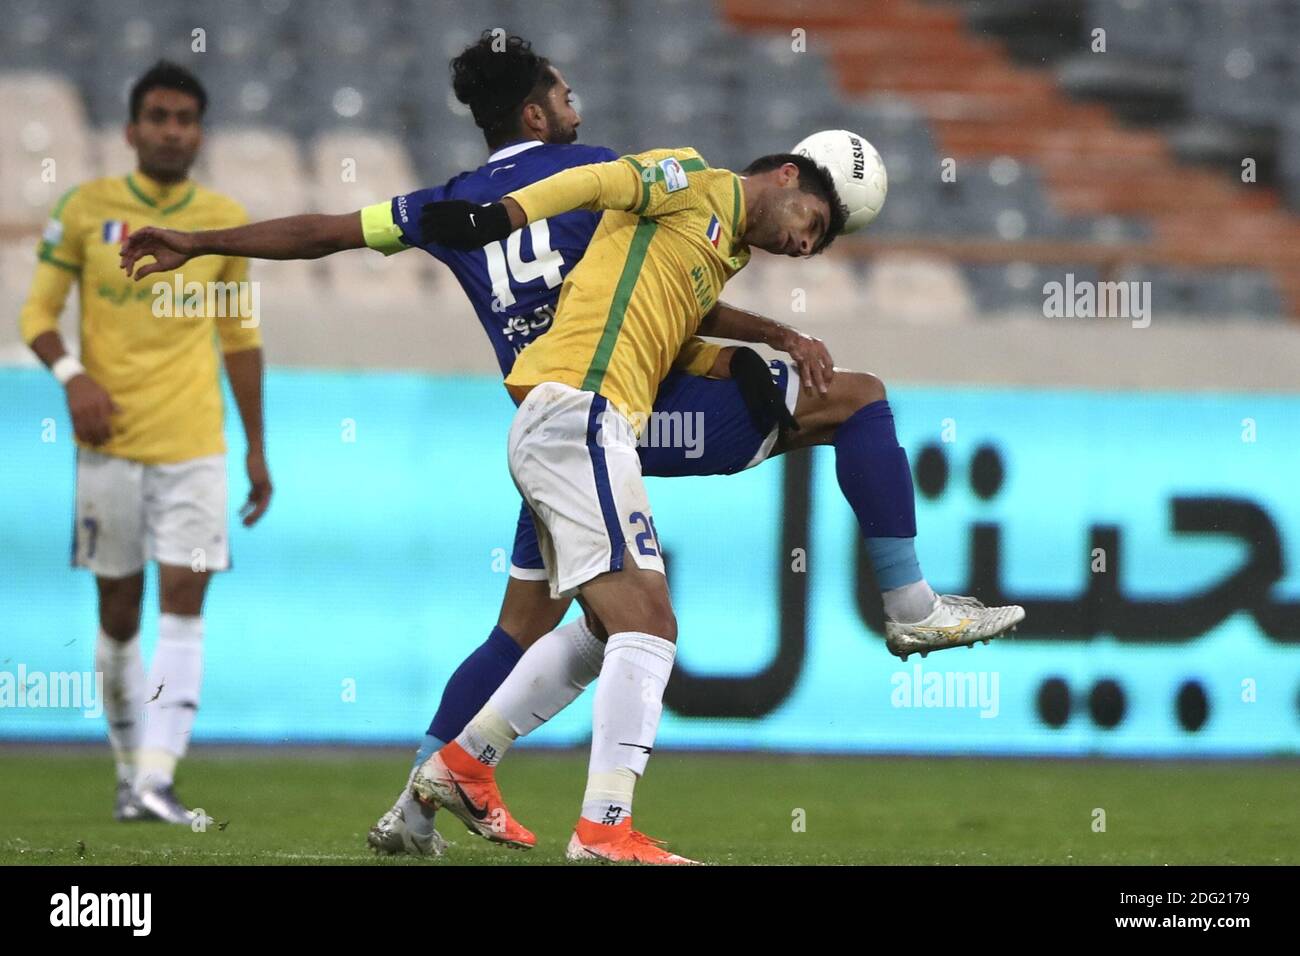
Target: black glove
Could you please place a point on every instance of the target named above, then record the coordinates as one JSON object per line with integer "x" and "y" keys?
{"x": 764, "y": 398}
{"x": 458, "y": 224}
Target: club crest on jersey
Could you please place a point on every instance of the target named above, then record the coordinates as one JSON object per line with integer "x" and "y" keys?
{"x": 115, "y": 231}
{"x": 674, "y": 175}
{"x": 714, "y": 232}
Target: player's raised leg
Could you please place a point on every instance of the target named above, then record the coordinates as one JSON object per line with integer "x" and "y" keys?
{"x": 876, "y": 480}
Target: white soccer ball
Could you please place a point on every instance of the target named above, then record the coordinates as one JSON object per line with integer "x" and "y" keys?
{"x": 857, "y": 169}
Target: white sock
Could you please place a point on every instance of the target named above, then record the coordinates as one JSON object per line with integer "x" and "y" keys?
{"x": 123, "y": 669}
{"x": 487, "y": 736}
{"x": 625, "y": 720}
{"x": 910, "y": 603}
{"x": 169, "y": 720}
{"x": 547, "y": 678}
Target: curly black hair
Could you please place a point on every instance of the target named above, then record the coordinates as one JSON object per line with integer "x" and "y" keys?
{"x": 495, "y": 77}
{"x": 814, "y": 179}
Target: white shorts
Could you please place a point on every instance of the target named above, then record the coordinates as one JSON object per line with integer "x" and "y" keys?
{"x": 129, "y": 513}
{"x": 574, "y": 460}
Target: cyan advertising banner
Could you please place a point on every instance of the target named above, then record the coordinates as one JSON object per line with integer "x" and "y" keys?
{"x": 1153, "y": 539}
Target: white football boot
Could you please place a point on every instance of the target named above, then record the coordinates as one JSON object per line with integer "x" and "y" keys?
{"x": 956, "y": 621}
{"x": 407, "y": 827}
{"x": 125, "y": 808}
{"x": 161, "y": 804}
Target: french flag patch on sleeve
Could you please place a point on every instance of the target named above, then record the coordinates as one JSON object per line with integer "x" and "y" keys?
{"x": 115, "y": 231}
{"x": 714, "y": 232}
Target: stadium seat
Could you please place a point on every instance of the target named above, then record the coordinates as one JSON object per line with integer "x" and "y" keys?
{"x": 46, "y": 149}
{"x": 278, "y": 188}
{"x": 912, "y": 288}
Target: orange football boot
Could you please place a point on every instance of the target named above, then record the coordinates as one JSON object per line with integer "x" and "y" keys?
{"x": 619, "y": 844}
{"x": 467, "y": 789}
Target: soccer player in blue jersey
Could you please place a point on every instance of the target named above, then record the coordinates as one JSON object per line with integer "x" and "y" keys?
{"x": 750, "y": 411}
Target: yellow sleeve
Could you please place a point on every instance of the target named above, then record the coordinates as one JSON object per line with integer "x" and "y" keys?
{"x": 40, "y": 313}
{"x": 596, "y": 186}
{"x": 645, "y": 184}
{"x": 60, "y": 254}
{"x": 63, "y": 243}
{"x": 697, "y": 356}
{"x": 239, "y": 333}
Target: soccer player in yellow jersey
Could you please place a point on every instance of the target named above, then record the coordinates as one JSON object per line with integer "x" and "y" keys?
{"x": 674, "y": 231}
{"x": 145, "y": 403}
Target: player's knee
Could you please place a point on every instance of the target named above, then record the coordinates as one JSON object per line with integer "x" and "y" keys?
{"x": 860, "y": 389}
{"x": 660, "y": 619}
{"x": 528, "y": 611}
{"x": 182, "y": 593}
{"x": 525, "y": 631}
{"x": 119, "y": 615}
{"x": 119, "y": 606}
{"x": 120, "y": 623}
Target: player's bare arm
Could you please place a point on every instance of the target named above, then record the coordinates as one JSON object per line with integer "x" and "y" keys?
{"x": 244, "y": 370}
{"x": 810, "y": 355}
{"x": 308, "y": 236}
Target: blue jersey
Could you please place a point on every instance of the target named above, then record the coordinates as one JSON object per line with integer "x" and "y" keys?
{"x": 513, "y": 284}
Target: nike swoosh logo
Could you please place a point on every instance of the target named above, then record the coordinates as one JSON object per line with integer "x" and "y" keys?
{"x": 648, "y": 750}
{"x": 478, "y": 813}
{"x": 472, "y": 222}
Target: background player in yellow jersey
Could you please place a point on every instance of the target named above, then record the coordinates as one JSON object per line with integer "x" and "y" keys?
{"x": 146, "y": 406}
{"x": 674, "y": 232}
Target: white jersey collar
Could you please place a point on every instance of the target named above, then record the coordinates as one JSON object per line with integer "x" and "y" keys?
{"x": 505, "y": 152}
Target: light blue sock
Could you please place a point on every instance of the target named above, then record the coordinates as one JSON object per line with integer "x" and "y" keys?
{"x": 427, "y": 749}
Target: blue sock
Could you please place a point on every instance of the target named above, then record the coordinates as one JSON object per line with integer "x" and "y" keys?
{"x": 472, "y": 684}
{"x": 876, "y": 480}
{"x": 427, "y": 749}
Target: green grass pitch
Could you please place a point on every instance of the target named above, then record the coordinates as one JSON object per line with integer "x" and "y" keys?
{"x": 313, "y": 806}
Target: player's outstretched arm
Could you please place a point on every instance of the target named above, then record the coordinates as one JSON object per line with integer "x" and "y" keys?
{"x": 809, "y": 354}
{"x": 293, "y": 237}
{"x": 463, "y": 225}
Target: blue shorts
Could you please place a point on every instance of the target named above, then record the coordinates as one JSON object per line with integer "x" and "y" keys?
{"x": 715, "y": 434}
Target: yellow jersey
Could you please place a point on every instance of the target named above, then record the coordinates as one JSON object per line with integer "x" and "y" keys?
{"x": 151, "y": 344}
{"x": 655, "y": 266}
